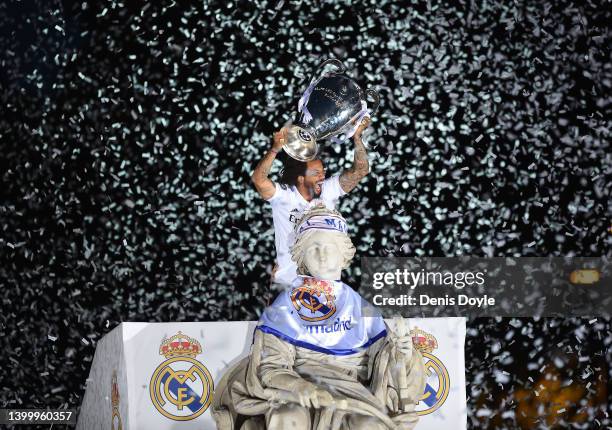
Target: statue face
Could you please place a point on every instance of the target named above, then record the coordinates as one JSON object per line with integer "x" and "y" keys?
{"x": 322, "y": 255}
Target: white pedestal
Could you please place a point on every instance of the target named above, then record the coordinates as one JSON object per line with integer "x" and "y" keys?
{"x": 153, "y": 391}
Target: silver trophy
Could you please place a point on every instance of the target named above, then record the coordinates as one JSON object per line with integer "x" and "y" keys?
{"x": 333, "y": 105}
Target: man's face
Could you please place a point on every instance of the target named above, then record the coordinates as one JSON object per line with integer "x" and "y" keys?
{"x": 315, "y": 174}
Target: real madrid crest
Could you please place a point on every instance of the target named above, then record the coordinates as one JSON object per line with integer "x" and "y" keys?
{"x": 181, "y": 387}
{"x": 314, "y": 300}
{"x": 438, "y": 381}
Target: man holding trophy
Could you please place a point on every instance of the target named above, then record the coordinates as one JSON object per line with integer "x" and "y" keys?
{"x": 322, "y": 358}
{"x": 301, "y": 183}
{"x": 332, "y": 105}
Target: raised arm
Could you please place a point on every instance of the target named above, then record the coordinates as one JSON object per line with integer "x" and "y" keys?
{"x": 351, "y": 177}
{"x": 265, "y": 187}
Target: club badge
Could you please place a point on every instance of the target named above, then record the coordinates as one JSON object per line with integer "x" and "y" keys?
{"x": 438, "y": 381}
{"x": 314, "y": 300}
{"x": 181, "y": 387}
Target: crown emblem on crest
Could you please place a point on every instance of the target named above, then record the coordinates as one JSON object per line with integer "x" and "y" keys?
{"x": 114, "y": 391}
{"x": 319, "y": 285}
{"x": 180, "y": 345}
{"x": 423, "y": 341}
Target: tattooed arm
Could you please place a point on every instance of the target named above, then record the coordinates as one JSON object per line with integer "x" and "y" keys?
{"x": 349, "y": 178}
{"x": 265, "y": 187}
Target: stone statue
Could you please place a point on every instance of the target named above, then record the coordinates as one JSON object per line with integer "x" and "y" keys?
{"x": 322, "y": 358}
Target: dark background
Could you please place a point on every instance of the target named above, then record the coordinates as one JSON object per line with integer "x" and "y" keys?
{"x": 129, "y": 131}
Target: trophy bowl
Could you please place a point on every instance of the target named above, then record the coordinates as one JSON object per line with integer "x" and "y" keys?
{"x": 331, "y": 105}
{"x": 301, "y": 144}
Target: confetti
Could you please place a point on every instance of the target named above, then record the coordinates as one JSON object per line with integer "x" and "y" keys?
{"x": 129, "y": 135}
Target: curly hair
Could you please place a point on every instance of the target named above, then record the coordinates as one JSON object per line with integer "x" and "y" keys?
{"x": 292, "y": 169}
{"x": 299, "y": 247}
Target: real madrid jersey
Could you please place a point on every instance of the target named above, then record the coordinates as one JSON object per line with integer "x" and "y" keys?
{"x": 287, "y": 206}
{"x": 323, "y": 316}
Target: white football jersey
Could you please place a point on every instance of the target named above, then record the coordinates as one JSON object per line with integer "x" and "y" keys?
{"x": 287, "y": 206}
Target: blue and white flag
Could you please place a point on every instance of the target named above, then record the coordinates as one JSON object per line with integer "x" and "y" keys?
{"x": 324, "y": 316}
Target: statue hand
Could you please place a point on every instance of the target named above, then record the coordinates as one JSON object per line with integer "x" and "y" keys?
{"x": 311, "y": 395}
{"x": 404, "y": 344}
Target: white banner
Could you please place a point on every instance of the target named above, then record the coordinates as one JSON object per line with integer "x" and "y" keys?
{"x": 161, "y": 376}
{"x": 443, "y": 405}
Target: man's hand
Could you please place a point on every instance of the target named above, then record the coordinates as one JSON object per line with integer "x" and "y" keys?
{"x": 351, "y": 177}
{"x": 265, "y": 187}
{"x": 279, "y": 139}
{"x": 365, "y": 123}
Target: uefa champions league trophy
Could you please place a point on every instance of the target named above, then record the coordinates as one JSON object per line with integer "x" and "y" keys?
{"x": 333, "y": 105}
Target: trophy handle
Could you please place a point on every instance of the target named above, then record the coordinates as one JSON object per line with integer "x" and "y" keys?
{"x": 332, "y": 61}
{"x": 376, "y": 97}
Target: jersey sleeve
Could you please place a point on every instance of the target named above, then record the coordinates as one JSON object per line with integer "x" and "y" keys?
{"x": 332, "y": 190}
{"x": 281, "y": 194}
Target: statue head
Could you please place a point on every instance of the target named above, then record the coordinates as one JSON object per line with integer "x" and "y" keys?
{"x": 322, "y": 246}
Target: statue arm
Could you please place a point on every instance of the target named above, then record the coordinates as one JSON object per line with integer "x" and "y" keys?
{"x": 400, "y": 382}
{"x": 276, "y": 371}
{"x": 265, "y": 187}
{"x": 411, "y": 392}
{"x": 276, "y": 365}
{"x": 351, "y": 177}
